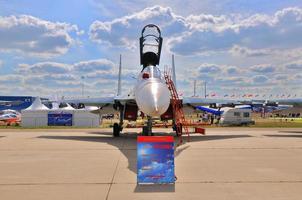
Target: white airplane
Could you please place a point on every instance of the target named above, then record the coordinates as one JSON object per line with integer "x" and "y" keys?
{"x": 151, "y": 94}
{"x": 10, "y": 103}
{"x": 9, "y": 117}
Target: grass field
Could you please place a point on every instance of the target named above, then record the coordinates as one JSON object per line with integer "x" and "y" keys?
{"x": 278, "y": 122}
{"x": 259, "y": 123}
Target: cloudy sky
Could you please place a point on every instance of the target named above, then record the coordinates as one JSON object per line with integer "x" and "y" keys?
{"x": 52, "y": 47}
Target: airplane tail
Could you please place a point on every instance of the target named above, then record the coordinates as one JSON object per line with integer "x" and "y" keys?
{"x": 119, "y": 84}
{"x": 173, "y": 72}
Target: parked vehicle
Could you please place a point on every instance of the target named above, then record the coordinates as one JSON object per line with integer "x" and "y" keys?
{"x": 236, "y": 116}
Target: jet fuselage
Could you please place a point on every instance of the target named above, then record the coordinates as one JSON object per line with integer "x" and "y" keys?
{"x": 151, "y": 92}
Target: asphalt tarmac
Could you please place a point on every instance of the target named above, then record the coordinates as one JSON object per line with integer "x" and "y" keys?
{"x": 226, "y": 163}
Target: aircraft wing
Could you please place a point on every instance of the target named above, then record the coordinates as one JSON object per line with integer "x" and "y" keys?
{"x": 106, "y": 104}
{"x": 206, "y": 101}
{"x": 190, "y": 103}
{"x": 274, "y": 102}
{"x": 100, "y": 101}
{"x": 294, "y": 102}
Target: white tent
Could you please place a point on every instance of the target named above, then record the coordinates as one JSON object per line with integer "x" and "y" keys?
{"x": 80, "y": 117}
{"x": 85, "y": 118}
{"x": 35, "y": 115}
{"x": 68, "y": 107}
{"x": 37, "y": 105}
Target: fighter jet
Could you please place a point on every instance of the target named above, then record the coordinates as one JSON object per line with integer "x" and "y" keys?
{"x": 151, "y": 95}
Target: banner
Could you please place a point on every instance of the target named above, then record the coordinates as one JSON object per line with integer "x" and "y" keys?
{"x": 155, "y": 159}
{"x": 59, "y": 119}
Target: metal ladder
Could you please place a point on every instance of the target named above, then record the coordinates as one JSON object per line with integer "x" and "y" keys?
{"x": 179, "y": 117}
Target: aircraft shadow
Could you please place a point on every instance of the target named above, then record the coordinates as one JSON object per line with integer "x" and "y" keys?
{"x": 285, "y": 136}
{"x": 290, "y": 131}
{"x": 164, "y": 188}
{"x": 126, "y": 143}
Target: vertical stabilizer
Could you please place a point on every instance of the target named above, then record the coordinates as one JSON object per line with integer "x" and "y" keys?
{"x": 173, "y": 72}
{"x": 119, "y": 84}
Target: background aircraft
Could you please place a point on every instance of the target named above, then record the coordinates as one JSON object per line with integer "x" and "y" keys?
{"x": 9, "y": 117}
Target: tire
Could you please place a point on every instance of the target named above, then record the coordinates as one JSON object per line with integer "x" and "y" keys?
{"x": 116, "y": 130}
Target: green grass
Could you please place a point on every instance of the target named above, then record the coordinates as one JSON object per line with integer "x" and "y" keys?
{"x": 279, "y": 123}
{"x": 260, "y": 123}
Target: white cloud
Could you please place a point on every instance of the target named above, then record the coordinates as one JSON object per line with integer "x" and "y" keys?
{"x": 260, "y": 79}
{"x": 83, "y": 67}
{"x": 263, "y": 68}
{"x": 281, "y": 77}
{"x": 11, "y": 79}
{"x": 295, "y": 65}
{"x": 246, "y": 52}
{"x": 280, "y": 53}
{"x": 44, "y": 68}
{"x": 298, "y": 77}
{"x": 58, "y": 81}
{"x": 257, "y": 34}
{"x": 209, "y": 68}
{"x": 99, "y": 77}
{"x": 93, "y": 66}
{"x": 232, "y": 70}
{"x": 125, "y": 31}
{"x": 34, "y": 36}
{"x": 231, "y": 81}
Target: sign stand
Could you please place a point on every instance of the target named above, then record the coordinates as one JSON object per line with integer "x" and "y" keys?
{"x": 155, "y": 160}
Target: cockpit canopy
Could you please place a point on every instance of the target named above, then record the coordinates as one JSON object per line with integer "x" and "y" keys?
{"x": 150, "y": 45}
{"x": 150, "y": 72}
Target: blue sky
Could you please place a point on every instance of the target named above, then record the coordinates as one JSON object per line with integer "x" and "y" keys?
{"x": 238, "y": 47}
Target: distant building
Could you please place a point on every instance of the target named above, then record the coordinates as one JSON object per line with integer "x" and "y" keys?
{"x": 16, "y": 102}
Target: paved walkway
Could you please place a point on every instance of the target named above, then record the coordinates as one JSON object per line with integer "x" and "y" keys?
{"x": 230, "y": 163}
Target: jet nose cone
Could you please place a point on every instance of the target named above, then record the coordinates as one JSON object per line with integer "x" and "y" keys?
{"x": 153, "y": 98}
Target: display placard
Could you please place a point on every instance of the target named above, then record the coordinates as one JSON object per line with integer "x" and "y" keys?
{"x": 59, "y": 119}
{"x": 155, "y": 159}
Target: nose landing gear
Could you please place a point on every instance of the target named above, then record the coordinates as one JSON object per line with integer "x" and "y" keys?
{"x": 118, "y": 127}
{"x": 147, "y": 130}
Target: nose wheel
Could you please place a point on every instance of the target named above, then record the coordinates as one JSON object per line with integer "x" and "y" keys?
{"x": 116, "y": 130}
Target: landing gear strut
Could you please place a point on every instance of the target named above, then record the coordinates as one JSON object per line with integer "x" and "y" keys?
{"x": 118, "y": 127}
{"x": 147, "y": 130}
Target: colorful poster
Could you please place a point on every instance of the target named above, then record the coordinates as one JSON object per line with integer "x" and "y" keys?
{"x": 155, "y": 159}
{"x": 59, "y": 119}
